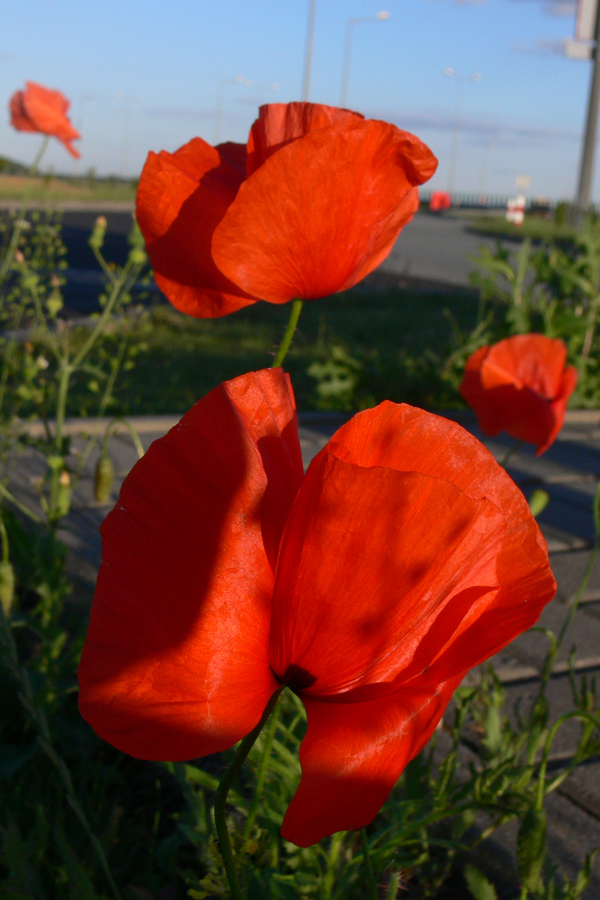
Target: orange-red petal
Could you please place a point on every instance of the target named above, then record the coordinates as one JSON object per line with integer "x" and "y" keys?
{"x": 46, "y": 111}
{"x": 175, "y": 664}
{"x": 181, "y": 199}
{"x": 432, "y": 541}
{"x": 280, "y": 123}
{"x": 520, "y": 385}
{"x": 353, "y": 754}
{"x": 322, "y": 211}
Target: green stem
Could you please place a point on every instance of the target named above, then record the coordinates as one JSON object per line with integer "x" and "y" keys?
{"x": 4, "y": 492}
{"x": 289, "y": 333}
{"x": 20, "y": 223}
{"x": 104, "y": 317}
{"x": 511, "y": 452}
{"x": 364, "y": 842}
{"x": 5, "y": 546}
{"x": 11, "y": 659}
{"x": 262, "y": 771}
{"x": 221, "y": 799}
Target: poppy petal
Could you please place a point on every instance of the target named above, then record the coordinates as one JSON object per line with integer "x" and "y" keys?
{"x": 472, "y": 627}
{"x": 452, "y": 537}
{"x": 526, "y": 360}
{"x": 181, "y": 198}
{"x": 175, "y": 663}
{"x": 323, "y": 211}
{"x": 353, "y": 754}
{"x": 47, "y": 110}
{"x": 280, "y": 123}
{"x": 428, "y": 547}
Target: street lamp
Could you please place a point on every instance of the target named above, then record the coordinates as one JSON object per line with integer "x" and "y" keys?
{"x": 381, "y": 16}
{"x": 460, "y": 80}
{"x": 308, "y": 50}
{"x": 239, "y": 79}
{"x": 129, "y": 101}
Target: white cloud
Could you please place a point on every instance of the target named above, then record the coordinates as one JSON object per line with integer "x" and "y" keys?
{"x": 541, "y": 47}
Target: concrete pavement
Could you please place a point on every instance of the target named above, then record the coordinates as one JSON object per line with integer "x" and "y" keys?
{"x": 568, "y": 471}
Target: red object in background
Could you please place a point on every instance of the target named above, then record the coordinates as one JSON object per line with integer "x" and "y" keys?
{"x": 43, "y": 110}
{"x": 520, "y": 385}
{"x": 440, "y": 200}
{"x": 310, "y": 206}
{"x": 369, "y": 586}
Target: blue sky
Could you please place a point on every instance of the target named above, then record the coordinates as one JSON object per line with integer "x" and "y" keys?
{"x": 147, "y": 74}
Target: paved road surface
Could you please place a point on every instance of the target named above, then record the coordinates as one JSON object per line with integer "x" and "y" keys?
{"x": 432, "y": 248}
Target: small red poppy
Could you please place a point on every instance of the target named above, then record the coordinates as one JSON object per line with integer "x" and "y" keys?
{"x": 520, "y": 385}
{"x": 40, "y": 109}
{"x": 369, "y": 587}
{"x": 310, "y": 206}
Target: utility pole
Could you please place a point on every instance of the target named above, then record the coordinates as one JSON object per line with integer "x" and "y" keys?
{"x": 586, "y": 169}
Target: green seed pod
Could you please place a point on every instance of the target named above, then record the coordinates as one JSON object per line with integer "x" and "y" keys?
{"x": 137, "y": 256}
{"x": 7, "y": 587}
{"x": 96, "y": 239}
{"x": 104, "y": 478}
{"x": 63, "y": 497}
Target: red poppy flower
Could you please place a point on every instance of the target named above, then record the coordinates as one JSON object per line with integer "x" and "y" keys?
{"x": 520, "y": 385}
{"x": 40, "y": 109}
{"x": 404, "y": 557}
{"x": 312, "y": 204}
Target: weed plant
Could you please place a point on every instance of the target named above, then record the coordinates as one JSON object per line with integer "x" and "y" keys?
{"x": 81, "y": 821}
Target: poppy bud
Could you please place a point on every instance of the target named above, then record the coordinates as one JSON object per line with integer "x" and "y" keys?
{"x": 103, "y": 479}
{"x": 63, "y": 497}
{"x": 7, "y": 586}
{"x": 96, "y": 240}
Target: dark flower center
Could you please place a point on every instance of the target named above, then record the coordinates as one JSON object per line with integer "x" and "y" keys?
{"x": 296, "y": 678}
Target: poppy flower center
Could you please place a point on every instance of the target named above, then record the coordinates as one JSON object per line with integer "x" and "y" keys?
{"x": 296, "y": 678}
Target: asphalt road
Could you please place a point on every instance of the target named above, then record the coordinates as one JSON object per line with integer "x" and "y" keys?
{"x": 431, "y": 248}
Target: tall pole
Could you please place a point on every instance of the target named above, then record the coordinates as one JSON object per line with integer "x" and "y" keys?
{"x": 586, "y": 169}
{"x": 308, "y": 53}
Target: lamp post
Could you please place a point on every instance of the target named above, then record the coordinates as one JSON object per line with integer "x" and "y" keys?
{"x": 381, "y": 16}
{"x": 460, "y": 80}
{"x": 78, "y": 122}
{"x": 129, "y": 101}
{"x": 239, "y": 79}
{"x": 308, "y": 50}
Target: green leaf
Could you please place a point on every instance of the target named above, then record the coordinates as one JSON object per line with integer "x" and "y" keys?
{"x": 531, "y": 843}
{"x": 538, "y": 502}
{"x": 479, "y": 886}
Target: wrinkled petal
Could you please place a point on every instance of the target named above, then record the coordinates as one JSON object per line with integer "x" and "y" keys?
{"x": 181, "y": 198}
{"x": 323, "y": 211}
{"x": 43, "y": 110}
{"x": 526, "y": 360}
{"x": 353, "y": 754}
{"x": 521, "y": 386}
{"x": 175, "y": 664}
{"x": 432, "y": 541}
{"x": 18, "y": 116}
{"x": 280, "y": 123}
{"x": 474, "y": 625}
{"x": 364, "y": 618}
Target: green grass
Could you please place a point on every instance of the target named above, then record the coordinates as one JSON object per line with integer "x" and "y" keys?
{"x": 533, "y": 227}
{"x": 392, "y": 343}
{"x": 50, "y": 189}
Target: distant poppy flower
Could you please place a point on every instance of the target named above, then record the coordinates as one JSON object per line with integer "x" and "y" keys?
{"x": 310, "y": 206}
{"x": 520, "y": 385}
{"x": 40, "y": 109}
{"x": 369, "y": 587}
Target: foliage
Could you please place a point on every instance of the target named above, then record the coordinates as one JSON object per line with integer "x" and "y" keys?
{"x": 80, "y": 820}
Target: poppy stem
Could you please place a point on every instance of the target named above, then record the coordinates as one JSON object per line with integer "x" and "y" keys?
{"x": 364, "y": 842}
{"x": 221, "y": 799}
{"x": 289, "y": 333}
{"x": 514, "y": 449}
